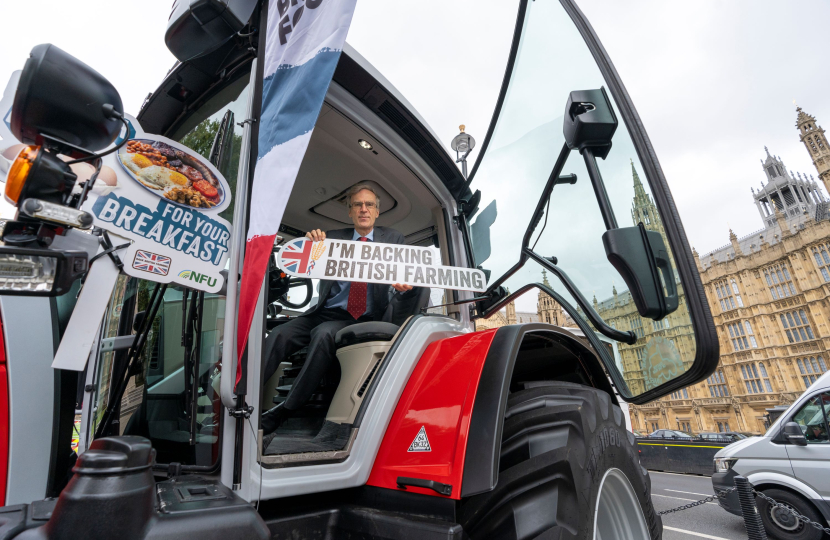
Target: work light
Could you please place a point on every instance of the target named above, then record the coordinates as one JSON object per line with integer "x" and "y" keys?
{"x": 66, "y": 112}
{"x": 39, "y": 272}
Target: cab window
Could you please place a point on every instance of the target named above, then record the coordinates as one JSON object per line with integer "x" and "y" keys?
{"x": 172, "y": 394}
{"x": 522, "y": 152}
{"x": 812, "y": 419}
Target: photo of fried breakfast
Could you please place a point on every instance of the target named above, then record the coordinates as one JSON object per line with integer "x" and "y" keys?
{"x": 171, "y": 173}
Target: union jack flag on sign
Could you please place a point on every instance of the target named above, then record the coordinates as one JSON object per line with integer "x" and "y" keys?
{"x": 151, "y": 262}
{"x": 296, "y": 255}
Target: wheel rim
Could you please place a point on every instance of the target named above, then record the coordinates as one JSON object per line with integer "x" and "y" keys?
{"x": 618, "y": 514}
{"x": 784, "y": 519}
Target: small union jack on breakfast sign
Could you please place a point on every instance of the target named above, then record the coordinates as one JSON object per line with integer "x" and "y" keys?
{"x": 152, "y": 263}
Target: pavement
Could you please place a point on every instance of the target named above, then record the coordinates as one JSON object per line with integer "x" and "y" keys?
{"x": 670, "y": 490}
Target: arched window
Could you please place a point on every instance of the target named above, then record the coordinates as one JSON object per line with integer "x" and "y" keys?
{"x": 717, "y": 385}
{"x": 779, "y": 281}
{"x": 730, "y": 297}
{"x": 755, "y": 378}
{"x": 797, "y": 326}
{"x": 811, "y": 369}
{"x": 820, "y": 253}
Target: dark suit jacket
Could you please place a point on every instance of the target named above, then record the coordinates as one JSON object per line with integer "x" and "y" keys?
{"x": 380, "y": 292}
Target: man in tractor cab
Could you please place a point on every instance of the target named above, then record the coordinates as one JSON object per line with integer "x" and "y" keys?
{"x": 340, "y": 304}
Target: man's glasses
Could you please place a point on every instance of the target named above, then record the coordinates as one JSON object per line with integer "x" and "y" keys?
{"x": 368, "y": 205}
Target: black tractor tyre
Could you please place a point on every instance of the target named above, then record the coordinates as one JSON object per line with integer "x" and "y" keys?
{"x": 558, "y": 441}
{"x": 782, "y": 525}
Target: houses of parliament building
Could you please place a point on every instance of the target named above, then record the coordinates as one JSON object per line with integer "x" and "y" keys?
{"x": 769, "y": 294}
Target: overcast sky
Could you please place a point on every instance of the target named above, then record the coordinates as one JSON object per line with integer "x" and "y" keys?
{"x": 714, "y": 81}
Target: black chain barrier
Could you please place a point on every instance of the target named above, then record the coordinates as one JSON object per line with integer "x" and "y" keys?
{"x": 714, "y": 497}
{"x": 804, "y": 519}
{"x": 752, "y": 518}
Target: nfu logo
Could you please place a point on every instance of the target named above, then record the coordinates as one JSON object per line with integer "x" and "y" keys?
{"x": 197, "y": 277}
{"x": 288, "y": 21}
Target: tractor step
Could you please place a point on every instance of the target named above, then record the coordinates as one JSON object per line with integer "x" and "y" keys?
{"x": 365, "y": 523}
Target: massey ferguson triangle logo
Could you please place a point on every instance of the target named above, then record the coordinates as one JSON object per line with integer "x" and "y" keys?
{"x": 288, "y": 21}
{"x": 421, "y": 442}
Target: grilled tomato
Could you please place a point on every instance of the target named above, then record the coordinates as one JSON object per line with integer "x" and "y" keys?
{"x": 204, "y": 187}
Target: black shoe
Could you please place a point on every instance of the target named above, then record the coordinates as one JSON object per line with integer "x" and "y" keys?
{"x": 273, "y": 418}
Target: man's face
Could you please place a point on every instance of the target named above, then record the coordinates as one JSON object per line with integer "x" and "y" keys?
{"x": 364, "y": 210}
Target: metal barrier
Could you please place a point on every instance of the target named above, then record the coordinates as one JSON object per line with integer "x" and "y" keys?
{"x": 753, "y": 522}
{"x": 694, "y": 456}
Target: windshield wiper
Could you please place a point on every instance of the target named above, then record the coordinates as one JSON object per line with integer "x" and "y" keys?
{"x": 133, "y": 357}
{"x": 220, "y": 149}
{"x": 192, "y": 327}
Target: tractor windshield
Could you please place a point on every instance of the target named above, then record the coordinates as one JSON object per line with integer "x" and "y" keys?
{"x": 552, "y": 60}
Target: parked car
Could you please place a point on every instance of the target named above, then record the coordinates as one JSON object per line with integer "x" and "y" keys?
{"x": 730, "y": 436}
{"x": 669, "y": 434}
{"x": 789, "y": 463}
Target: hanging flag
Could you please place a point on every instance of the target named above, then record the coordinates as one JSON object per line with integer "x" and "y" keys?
{"x": 302, "y": 46}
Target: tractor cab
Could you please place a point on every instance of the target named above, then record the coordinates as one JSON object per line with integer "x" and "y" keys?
{"x": 565, "y": 184}
{"x": 421, "y": 414}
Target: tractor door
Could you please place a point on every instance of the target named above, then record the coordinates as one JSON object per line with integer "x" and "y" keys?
{"x": 588, "y": 215}
{"x": 168, "y": 389}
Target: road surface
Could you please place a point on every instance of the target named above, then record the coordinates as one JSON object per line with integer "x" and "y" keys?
{"x": 669, "y": 490}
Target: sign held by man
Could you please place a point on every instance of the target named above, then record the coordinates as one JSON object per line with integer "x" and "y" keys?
{"x": 345, "y": 260}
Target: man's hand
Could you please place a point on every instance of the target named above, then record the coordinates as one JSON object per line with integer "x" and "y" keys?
{"x": 402, "y": 288}
{"x": 317, "y": 235}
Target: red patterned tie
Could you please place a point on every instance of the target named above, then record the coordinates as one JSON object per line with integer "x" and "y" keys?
{"x": 356, "y": 305}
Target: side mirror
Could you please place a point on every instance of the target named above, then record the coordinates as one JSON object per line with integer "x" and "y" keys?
{"x": 480, "y": 233}
{"x": 794, "y": 435}
{"x": 641, "y": 258}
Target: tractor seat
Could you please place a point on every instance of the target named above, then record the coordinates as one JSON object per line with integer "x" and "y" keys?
{"x": 364, "y": 332}
{"x": 400, "y": 308}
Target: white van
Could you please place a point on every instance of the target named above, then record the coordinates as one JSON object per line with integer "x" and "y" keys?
{"x": 790, "y": 463}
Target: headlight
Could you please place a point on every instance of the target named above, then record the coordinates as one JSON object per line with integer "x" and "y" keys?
{"x": 724, "y": 464}
{"x": 39, "y": 272}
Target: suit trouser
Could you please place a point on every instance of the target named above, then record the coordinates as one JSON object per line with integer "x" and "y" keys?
{"x": 316, "y": 331}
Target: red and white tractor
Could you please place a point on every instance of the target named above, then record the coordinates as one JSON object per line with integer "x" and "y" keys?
{"x": 429, "y": 428}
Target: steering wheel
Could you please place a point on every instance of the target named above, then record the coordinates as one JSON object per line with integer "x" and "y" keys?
{"x": 279, "y": 284}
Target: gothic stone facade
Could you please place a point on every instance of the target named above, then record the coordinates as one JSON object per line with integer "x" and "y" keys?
{"x": 769, "y": 294}
{"x": 620, "y": 312}
{"x": 547, "y": 310}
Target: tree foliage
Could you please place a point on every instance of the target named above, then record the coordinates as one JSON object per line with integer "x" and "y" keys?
{"x": 201, "y": 140}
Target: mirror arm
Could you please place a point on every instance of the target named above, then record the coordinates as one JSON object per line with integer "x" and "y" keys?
{"x": 625, "y": 337}
{"x": 506, "y": 300}
{"x": 515, "y": 268}
{"x": 599, "y": 188}
{"x": 464, "y": 227}
{"x": 553, "y": 179}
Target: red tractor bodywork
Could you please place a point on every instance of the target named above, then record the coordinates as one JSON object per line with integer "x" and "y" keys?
{"x": 439, "y": 397}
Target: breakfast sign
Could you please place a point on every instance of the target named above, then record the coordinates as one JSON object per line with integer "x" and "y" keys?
{"x": 158, "y": 196}
{"x": 345, "y": 260}
{"x": 166, "y": 198}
